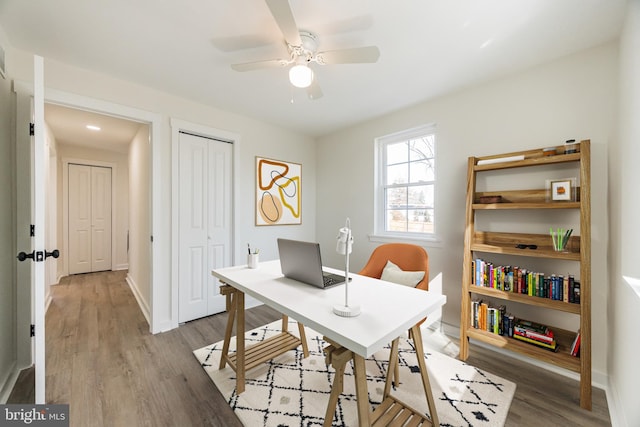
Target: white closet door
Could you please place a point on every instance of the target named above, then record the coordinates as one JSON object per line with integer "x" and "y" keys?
{"x": 219, "y": 215}
{"x": 100, "y": 219}
{"x": 89, "y": 219}
{"x": 205, "y": 223}
{"x": 79, "y": 219}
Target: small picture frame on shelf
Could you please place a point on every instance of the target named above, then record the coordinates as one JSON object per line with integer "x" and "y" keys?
{"x": 561, "y": 190}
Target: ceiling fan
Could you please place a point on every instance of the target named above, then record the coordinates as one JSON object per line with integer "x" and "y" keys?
{"x": 303, "y": 49}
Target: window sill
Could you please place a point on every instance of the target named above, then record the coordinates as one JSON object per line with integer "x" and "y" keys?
{"x": 430, "y": 241}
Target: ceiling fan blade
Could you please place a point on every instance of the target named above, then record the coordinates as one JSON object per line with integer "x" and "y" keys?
{"x": 356, "y": 55}
{"x": 260, "y": 65}
{"x": 314, "y": 91}
{"x": 283, "y": 15}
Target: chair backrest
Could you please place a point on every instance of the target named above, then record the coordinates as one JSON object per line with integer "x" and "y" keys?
{"x": 406, "y": 256}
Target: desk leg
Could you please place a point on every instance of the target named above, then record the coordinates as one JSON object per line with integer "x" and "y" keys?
{"x": 338, "y": 358}
{"x": 303, "y": 340}
{"x": 417, "y": 341}
{"x": 240, "y": 342}
{"x": 393, "y": 361}
{"x": 231, "y": 309}
{"x": 362, "y": 395}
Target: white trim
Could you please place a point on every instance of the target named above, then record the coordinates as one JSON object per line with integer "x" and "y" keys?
{"x": 616, "y": 412}
{"x": 379, "y": 213}
{"x": 160, "y": 282}
{"x": 424, "y": 240}
{"x": 178, "y": 125}
{"x": 6, "y": 386}
{"x": 66, "y": 161}
{"x": 144, "y": 308}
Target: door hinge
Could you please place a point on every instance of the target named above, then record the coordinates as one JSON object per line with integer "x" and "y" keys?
{"x": 33, "y": 330}
{"x": 32, "y": 129}
{"x": 151, "y": 239}
{"x": 32, "y": 230}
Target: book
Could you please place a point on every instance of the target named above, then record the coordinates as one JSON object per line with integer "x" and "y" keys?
{"x": 553, "y": 346}
{"x": 501, "y": 160}
{"x": 532, "y": 335}
{"x": 575, "y": 346}
{"x": 533, "y": 327}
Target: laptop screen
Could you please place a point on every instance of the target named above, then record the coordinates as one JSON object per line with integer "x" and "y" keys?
{"x": 301, "y": 261}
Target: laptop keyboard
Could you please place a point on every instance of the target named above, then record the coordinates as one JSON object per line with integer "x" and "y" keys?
{"x": 331, "y": 279}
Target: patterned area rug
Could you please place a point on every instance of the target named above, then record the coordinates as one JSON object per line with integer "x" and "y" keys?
{"x": 292, "y": 391}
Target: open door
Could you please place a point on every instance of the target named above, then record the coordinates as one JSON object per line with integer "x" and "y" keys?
{"x": 37, "y": 254}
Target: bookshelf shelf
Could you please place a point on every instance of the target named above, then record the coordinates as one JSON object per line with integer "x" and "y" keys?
{"x": 479, "y": 243}
{"x": 561, "y": 358}
{"x": 526, "y": 299}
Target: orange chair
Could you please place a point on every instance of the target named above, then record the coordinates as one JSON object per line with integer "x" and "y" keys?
{"x": 406, "y": 256}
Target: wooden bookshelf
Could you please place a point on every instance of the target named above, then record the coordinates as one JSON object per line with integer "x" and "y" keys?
{"x": 484, "y": 243}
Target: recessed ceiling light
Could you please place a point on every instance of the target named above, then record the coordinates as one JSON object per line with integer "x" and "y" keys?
{"x": 92, "y": 127}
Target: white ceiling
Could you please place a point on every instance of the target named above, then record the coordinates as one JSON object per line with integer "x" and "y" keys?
{"x": 427, "y": 47}
{"x": 69, "y": 126}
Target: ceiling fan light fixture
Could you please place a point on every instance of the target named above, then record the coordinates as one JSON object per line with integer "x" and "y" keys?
{"x": 301, "y": 76}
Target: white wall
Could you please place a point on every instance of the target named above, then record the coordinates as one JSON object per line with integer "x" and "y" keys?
{"x": 573, "y": 97}
{"x": 624, "y": 348}
{"x": 139, "y": 209}
{"x": 7, "y": 239}
{"x": 121, "y": 191}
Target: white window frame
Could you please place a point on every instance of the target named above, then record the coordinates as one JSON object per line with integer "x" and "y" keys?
{"x": 380, "y": 234}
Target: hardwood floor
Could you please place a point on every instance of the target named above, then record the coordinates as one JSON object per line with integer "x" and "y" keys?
{"x": 102, "y": 360}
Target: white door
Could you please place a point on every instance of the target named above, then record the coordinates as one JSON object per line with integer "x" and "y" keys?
{"x": 89, "y": 218}
{"x": 205, "y": 175}
{"x": 30, "y": 232}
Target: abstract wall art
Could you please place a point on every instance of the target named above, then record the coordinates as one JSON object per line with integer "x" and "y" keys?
{"x": 278, "y": 192}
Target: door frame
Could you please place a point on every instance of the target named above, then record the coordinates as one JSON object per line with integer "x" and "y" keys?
{"x": 66, "y": 161}
{"x": 160, "y": 284}
{"x": 178, "y": 126}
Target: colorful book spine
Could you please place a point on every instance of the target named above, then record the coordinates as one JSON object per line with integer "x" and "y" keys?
{"x": 552, "y": 347}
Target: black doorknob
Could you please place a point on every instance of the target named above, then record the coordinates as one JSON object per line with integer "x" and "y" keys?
{"x": 23, "y": 256}
{"x": 55, "y": 253}
{"x": 37, "y": 256}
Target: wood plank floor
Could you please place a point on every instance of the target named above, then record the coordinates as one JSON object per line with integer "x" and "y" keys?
{"x": 102, "y": 360}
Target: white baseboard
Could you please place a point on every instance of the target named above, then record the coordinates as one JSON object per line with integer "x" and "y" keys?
{"x": 6, "y": 386}
{"x": 141, "y": 302}
{"x": 120, "y": 267}
{"x": 616, "y": 413}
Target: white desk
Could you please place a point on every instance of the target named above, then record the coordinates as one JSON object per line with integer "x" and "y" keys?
{"x": 388, "y": 309}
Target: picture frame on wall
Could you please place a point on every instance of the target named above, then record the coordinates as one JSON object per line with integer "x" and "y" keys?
{"x": 278, "y": 192}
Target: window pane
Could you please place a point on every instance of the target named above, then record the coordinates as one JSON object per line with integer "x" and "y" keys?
{"x": 396, "y": 220}
{"x": 421, "y": 148}
{"x": 421, "y": 171}
{"x": 397, "y": 153}
{"x": 420, "y": 220}
{"x": 421, "y": 196}
{"x": 396, "y": 198}
{"x": 398, "y": 174}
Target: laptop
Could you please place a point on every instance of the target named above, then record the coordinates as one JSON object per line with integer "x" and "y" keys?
{"x": 301, "y": 261}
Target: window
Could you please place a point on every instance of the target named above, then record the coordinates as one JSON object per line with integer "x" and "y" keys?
{"x": 406, "y": 183}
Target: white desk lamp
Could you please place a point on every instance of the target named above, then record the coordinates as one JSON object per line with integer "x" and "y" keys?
{"x": 343, "y": 247}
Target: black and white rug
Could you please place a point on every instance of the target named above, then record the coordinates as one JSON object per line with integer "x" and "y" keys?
{"x": 292, "y": 391}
